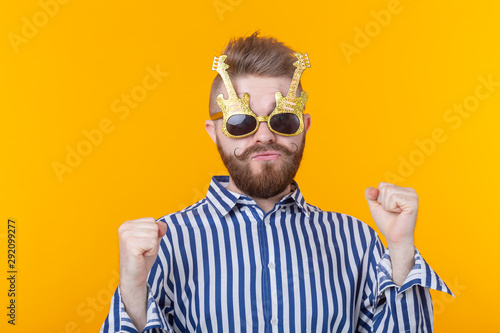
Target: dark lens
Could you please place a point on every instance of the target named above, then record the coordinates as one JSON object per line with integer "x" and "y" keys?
{"x": 286, "y": 123}
{"x": 241, "y": 124}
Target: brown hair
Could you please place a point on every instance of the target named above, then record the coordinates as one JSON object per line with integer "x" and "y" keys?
{"x": 254, "y": 55}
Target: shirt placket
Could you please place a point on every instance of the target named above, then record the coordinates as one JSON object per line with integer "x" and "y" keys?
{"x": 269, "y": 282}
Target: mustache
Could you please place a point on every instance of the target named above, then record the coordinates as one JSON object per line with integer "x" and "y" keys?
{"x": 259, "y": 148}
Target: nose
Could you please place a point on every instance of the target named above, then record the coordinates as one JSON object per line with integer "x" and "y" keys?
{"x": 264, "y": 134}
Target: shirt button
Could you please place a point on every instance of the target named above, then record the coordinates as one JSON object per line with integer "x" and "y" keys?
{"x": 271, "y": 265}
{"x": 274, "y": 321}
{"x": 267, "y": 221}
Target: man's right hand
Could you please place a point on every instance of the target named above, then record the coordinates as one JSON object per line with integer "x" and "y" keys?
{"x": 139, "y": 244}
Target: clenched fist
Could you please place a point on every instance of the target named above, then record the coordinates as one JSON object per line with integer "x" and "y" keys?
{"x": 394, "y": 210}
{"x": 139, "y": 244}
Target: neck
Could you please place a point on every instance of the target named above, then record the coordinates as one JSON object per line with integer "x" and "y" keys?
{"x": 265, "y": 204}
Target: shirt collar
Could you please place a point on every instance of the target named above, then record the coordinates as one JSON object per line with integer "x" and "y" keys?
{"x": 224, "y": 200}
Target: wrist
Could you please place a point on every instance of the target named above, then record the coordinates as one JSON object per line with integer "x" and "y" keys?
{"x": 402, "y": 257}
{"x": 132, "y": 288}
{"x": 401, "y": 245}
{"x": 132, "y": 281}
{"x": 401, "y": 250}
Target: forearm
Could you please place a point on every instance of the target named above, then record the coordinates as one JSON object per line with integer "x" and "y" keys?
{"x": 402, "y": 261}
{"x": 135, "y": 301}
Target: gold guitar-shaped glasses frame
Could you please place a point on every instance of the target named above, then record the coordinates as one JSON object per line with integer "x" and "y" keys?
{"x": 240, "y": 121}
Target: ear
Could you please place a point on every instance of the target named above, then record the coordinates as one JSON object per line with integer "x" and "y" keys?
{"x": 307, "y": 122}
{"x": 210, "y": 127}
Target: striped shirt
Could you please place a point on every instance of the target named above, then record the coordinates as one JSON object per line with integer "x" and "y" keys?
{"x": 226, "y": 266}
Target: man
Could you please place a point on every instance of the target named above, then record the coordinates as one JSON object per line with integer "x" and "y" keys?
{"x": 253, "y": 256}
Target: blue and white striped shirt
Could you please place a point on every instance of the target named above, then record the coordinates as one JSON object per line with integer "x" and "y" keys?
{"x": 226, "y": 266}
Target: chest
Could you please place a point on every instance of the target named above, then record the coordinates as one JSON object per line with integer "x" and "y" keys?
{"x": 255, "y": 273}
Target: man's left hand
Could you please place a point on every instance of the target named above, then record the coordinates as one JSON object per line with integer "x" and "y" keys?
{"x": 394, "y": 210}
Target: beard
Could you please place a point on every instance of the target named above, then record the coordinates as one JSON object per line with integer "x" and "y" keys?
{"x": 273, "y": 176}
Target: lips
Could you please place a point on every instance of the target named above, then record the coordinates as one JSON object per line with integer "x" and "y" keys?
{"x": 266, "y": 156}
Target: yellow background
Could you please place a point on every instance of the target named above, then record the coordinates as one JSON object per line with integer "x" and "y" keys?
{"x": 367, "y": 111}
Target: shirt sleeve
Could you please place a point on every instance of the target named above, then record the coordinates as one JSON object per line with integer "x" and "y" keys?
{"x": 158, "y": 306}
{"x": 388, "y": 307}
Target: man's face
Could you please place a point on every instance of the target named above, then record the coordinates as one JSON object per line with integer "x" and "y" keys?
{"x": 263, "y": 164}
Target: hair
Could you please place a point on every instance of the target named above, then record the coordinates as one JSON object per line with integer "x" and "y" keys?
{"x": 254, "y": 55}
